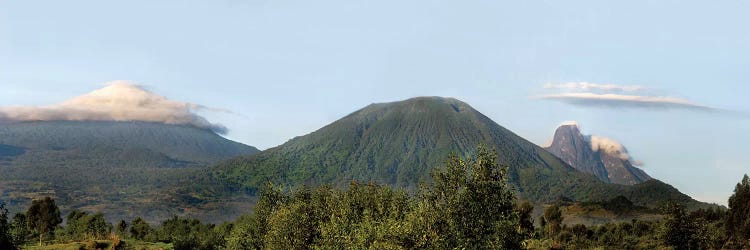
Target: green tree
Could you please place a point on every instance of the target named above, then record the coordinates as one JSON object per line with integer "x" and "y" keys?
{"x": 97, "y": 226}
{"x": 19, "y": 229}
{"x": 738, "y": 217}
{"x": 122, "y": 228}
{"x": 250, "y": 230}
{"x": 6, "y": 240}
{"x": 291, "y": 227}
{"x": 83, "y": 226}
{"x": 365, "y": 216}
{"x": 246, "y": 233}
{"x": 43, "y": 216}
{"x": 186, "y": 233}
{"x": 139, "y": 229}
{"x": 76, "y": 226}
{"x": 682, "y": 232}
{"x": 469, "y": 205}
{"x": 525, "y": 221}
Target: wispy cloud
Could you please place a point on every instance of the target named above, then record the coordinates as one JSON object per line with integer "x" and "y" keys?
{"x": 119, "y": 101}
{"x": 632, "y": 101}
{"x": 587, "y": 94}
{"x": 588, "y": 87}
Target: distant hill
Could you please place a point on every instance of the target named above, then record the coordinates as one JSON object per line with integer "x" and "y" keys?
{"x": 113, "y": 167}
{"x": 608, "y": 165}
{"x": 400, "y": 143}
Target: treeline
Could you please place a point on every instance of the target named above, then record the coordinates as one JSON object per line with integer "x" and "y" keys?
{"x": 700, "y": 229}
{"x": 468, "y": 205}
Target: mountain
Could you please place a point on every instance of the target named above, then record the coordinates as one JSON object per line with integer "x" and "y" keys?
{"x": 602, "y": 157}
{"x": 400, "y": 143}
{"x": 113, "y": 167}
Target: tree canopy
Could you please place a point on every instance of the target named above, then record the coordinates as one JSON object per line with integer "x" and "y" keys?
{"x": 43, "y": 216}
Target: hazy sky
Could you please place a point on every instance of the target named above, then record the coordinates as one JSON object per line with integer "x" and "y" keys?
{"x": 287, "y": 68}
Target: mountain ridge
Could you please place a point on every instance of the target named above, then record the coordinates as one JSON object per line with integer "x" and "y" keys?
{"x": 118, "y": 168}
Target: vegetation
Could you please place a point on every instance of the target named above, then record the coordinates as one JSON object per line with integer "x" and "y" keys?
{"x": 6, "y": 240}
{"x": 85, "y": 226}
{"x": 469, "y": 205}
{"x": 738, "y": 218}
{"x": 43, "y": 217}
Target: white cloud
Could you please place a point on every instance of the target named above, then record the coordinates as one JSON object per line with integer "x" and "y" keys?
{"x": 585, "y": 86}
{"x": 119, "y": 101}
{"x": 609, "y": 146}
{"x": 617, "y": 100}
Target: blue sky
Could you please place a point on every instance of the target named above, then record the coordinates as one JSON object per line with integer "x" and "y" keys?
{"x": 289, "y": 67}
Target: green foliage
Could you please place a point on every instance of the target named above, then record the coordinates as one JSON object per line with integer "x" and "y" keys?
{"x": 83, "y": 226}
{"x": 19, "y": 230}
{"x": 738, "y": 218}
{"x": 189, "y": 234}
{"x": 6, "y": 238}
{"x": 43, "y": 216}
{"x": 365, "y": 216}
{"x": 470, "y": 205}
{"x": 249, "y": 230}
{"x": 247, "y": 233}
{"x": 678, "y": 230}
{"x": 139, "y": 229}
{"x": 683, "y": 231}
{"x": 525, "y": 220}
{"x": 122, "y": 228}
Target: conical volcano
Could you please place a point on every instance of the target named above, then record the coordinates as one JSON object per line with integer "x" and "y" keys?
{"x": 400, "y": 143}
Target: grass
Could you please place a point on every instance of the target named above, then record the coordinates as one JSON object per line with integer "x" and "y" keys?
{"x": 103, "y": 244}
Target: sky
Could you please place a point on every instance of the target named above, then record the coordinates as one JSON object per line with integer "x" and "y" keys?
{"x": 667, "y": 79}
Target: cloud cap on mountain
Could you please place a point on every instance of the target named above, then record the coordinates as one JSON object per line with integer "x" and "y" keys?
{"x": 119, "y": 101}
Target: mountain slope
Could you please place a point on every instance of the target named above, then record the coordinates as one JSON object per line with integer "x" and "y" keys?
{"x": 400, "y": 143}
{"x": 114, "y": 167}
{"x": 612, "y": 166}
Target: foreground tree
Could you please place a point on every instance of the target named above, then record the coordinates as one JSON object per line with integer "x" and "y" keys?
{"x": 469, "y": 206}
{"x": 19, "y": 229}
{"x": 738, "y": 217}
{"x": 367, "y": 216}
{"x": 685, "y": 232}
{"x": 6, "y": 241}
{"x": 525, "y": 222}
{"x": 249, "y": 231}
{"x": 43, "y": 216}
{"x": 84, "y": 226}
{"x": 122, "y": 228}
{"x": 139, "y": 229}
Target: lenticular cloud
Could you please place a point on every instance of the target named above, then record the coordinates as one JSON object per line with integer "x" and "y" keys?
{"x": 119, "y": 101}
